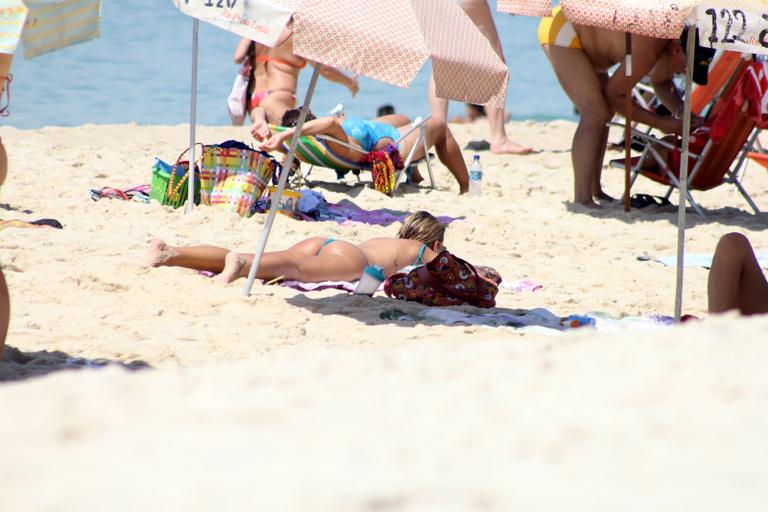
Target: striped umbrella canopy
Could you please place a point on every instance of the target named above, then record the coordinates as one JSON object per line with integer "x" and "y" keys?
{"x": 44, "y": 26}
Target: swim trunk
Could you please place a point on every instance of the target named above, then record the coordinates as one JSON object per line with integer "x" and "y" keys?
{"x": 258, "y": 97}
{"x": 558, "y": 31}
{"x": 369, "y": 133}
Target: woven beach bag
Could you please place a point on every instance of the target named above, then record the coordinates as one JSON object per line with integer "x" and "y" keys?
{"x": 234, "y": 176}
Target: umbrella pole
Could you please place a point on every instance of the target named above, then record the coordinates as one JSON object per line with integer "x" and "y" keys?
{"x": 690, "y": 47}
{"x": 628, "y": 120}
{"x": 281, "y": 183}
{"x": 193, "y": 117}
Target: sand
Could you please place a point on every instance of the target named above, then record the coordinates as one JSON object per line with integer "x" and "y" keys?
{"x": 291, "y": 401}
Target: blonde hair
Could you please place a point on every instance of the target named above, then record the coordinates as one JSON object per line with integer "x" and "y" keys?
{"x": 423, "y": 227}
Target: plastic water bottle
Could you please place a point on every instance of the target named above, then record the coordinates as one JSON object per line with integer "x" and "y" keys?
{"x": 476, "y": 177}
{"x": 337, "y": 111}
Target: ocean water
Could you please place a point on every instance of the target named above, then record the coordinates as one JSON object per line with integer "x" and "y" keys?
{"x": 139, "y": 70}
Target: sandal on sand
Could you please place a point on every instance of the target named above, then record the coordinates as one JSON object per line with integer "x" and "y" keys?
{"x": 645, "y": 200}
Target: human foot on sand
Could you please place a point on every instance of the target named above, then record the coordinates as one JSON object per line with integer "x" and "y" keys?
{"x": 507, "y": 147}
{"x": 158, "y": 253}
{"x": 602, "y": 197}
{"x": 233, "y": 267}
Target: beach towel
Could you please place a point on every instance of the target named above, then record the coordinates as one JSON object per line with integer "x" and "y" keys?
{"x": 705, "y": 260}
{"x": 537, "y": 319}
{"x": 40, "y": 223}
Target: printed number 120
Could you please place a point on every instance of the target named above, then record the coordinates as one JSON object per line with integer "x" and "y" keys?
{"x": 220, "y": 3}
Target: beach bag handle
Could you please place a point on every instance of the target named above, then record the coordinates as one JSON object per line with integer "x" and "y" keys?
{"x": 173, "y": 190}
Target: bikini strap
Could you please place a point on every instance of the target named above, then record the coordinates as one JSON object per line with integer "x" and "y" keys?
{"x": 5, "y": 111}
{"x": 419, "y": 258}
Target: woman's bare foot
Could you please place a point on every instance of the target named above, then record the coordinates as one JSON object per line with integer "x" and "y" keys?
{"x": 233, "y": 267}
{"x": 158, "y": 253}
{"x": 602, "y": 196}
{"x": 507, "y": 147}
{"x": 590, "y": 204}
{"x": 415, "y": 177}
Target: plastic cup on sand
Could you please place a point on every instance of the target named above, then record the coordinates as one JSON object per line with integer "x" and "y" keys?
{"x": 373, "y": 276}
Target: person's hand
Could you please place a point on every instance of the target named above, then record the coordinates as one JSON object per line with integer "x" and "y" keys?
{"x": 353, "y": 86}
{"x": 696, "y": 122}
{"x": 671, "y": 125}
{"x": 274, "y": 142}
{"x": 260, "y": 130}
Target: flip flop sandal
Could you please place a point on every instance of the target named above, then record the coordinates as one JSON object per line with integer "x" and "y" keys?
{"x": 109, "y": 193}
{"x": 53, "y": 223}
{"x": 641, "y": 201}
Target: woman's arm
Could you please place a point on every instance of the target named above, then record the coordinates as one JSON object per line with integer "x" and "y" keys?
{"x": 321, "y": 126}
{"x": 334, "y": 75}
{"x": 647, "y": 53}
{"x": 241, "y": 52}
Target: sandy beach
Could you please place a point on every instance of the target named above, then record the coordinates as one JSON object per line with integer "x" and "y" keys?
{"x": 325, "y": 401}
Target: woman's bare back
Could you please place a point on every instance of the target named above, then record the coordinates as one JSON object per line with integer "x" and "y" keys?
{"x": 394, "y": 253}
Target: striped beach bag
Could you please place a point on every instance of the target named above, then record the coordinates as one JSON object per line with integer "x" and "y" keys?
{"x": 234, "y": 176}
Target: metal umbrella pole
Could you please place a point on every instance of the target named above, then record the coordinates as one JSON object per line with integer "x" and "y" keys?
{"x": 281, "y": 183}
{"x": 690, "y": 48}
{"x": 628, "y": 120}
{"x": 193, "y": 117}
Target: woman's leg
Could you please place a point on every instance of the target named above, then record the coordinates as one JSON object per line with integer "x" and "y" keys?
{"x": 396, "y": 120}
{"x": 338, "y": 261}
{"x": 480, "y": 14}
{"x": 583, "y": 86}
{"x": 439, "y": 135}
{"x": 735, "y": 279}
{"x": 5, "y": 312}
{"x": 201, "y": 257}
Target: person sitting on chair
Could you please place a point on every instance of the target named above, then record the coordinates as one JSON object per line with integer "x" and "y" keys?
{"x": 735, "y": 279}
{"x": 316, "y": 259}
{"x": 375, "y": 135}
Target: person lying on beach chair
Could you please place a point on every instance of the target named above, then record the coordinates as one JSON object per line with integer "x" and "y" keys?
{"x": 736, "y": 280}
{"x": 316, "y": 259}
{"x": 354, "y": 139}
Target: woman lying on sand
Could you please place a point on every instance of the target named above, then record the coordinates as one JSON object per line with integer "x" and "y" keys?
{"x": 374, "y": 136}
{"x": 315, "y": 259}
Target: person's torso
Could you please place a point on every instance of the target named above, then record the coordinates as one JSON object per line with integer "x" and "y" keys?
{"x": 370, "y": 135}
{"x": 603, "y": 47}
{"x": 392, "y": 254}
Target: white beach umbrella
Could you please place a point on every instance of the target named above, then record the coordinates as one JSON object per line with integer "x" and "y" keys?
{"x": 387, "y": 40}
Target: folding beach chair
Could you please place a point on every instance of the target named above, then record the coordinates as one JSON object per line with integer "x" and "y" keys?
{"x": 721, "y": 73}
{"x": 315, "y": 151}
{"x": 718, "y": 152}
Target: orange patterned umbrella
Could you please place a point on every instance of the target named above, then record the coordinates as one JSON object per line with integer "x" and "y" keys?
{"x": 653, "y": 18}
{"x": 390, "y": 40}
{"x": 525, "y": 7}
